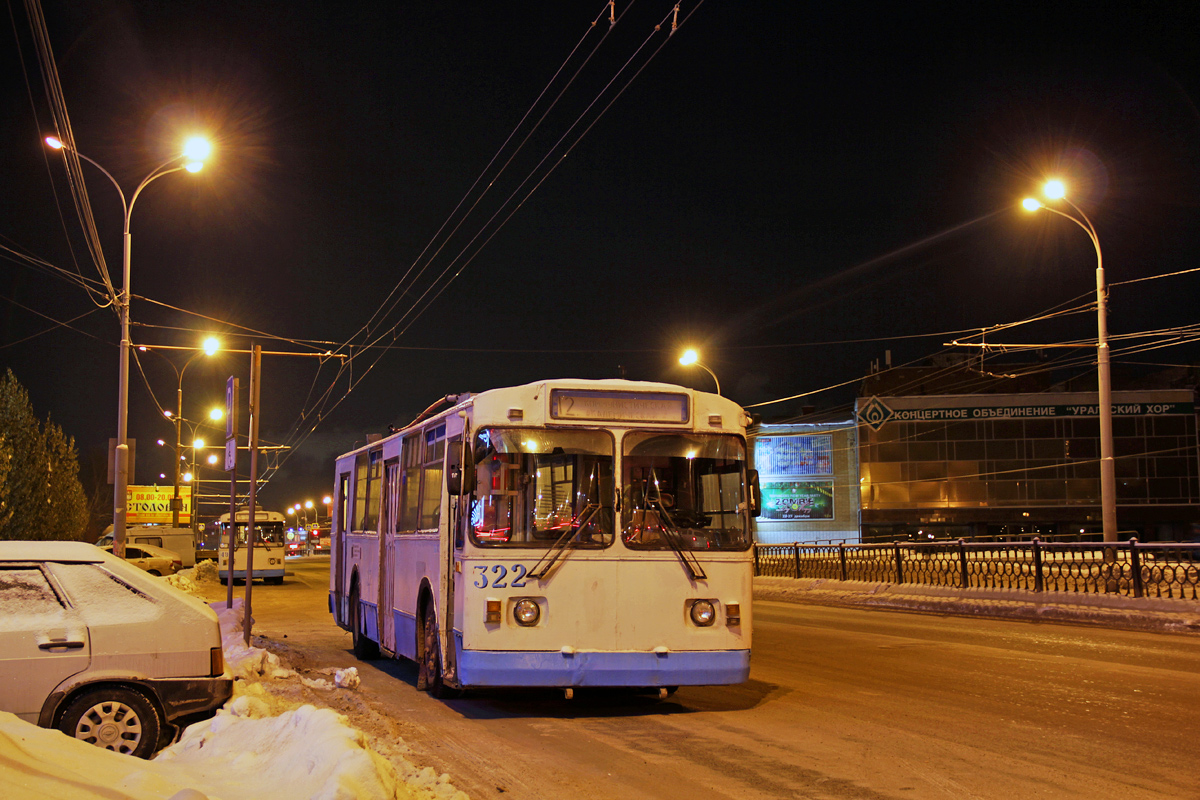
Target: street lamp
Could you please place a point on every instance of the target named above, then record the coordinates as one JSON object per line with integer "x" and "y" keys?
{"x": 211, "y": 345}
{"x": 691, "y": 357}
{"x": 195, "y": 151}
{"x": 1055, "y": 190}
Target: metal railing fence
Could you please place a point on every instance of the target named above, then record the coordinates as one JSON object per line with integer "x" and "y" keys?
{"x": 1155, "y": 569}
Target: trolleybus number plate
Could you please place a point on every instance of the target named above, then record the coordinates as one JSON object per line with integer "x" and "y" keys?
{"x": 498, "y": 576}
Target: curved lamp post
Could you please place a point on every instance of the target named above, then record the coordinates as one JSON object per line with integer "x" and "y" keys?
{"x": 211, "y": 345}
{"x": 193, "y": 155}
{"x": 691, "y": 357}
{"x": 1055, "y": 190}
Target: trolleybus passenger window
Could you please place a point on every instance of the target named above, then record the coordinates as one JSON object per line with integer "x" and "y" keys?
{"x": 684, "y": 491}
{"x": 358, "y": 521}
{"x": 391, "y": 490}
{"x": 431, "y": 478}
{"x": 410, "y": 483}
{"x": 374, "y": 490}
{"x": 540, "y": 487}
{"x": 343, "y": 506}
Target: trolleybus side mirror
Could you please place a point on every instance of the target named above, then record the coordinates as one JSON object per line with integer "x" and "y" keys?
{"x": 755, "y": 492}
{"x": 460, "y": 478}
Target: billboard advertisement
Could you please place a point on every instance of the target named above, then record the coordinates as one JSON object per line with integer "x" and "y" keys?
{"x": 796, "y": 500}
{"x": 794, "y": 455}
{"x": 152, "y": 505}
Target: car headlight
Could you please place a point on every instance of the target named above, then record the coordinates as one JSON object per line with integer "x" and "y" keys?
{"x": 703, "y": 613}
{"x": 526, "y": 612}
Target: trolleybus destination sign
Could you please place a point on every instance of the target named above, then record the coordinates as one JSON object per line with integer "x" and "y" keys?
{"x": 618, "y": 406}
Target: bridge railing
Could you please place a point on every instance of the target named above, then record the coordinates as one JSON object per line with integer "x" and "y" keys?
{"x": 1153, "y": 569}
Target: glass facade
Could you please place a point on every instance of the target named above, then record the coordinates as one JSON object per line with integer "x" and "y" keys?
{"x": 980, "y": 458}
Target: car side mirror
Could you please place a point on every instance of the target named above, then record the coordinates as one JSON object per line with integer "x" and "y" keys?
{"x": 755, "y": 492}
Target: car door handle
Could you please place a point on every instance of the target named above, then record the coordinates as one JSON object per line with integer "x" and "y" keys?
{"x": 60, "y": 643}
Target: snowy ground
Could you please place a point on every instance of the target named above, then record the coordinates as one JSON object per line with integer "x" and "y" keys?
{"x": 277, "y": 737}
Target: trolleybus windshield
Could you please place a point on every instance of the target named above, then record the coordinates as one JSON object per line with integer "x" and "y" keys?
{"x": 534, "y": 486}
{"x": 269, "y": 534}
{"x": 683, "y": 491}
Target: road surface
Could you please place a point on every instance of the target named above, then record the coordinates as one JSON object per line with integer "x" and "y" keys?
{"x": 841, "y": 703}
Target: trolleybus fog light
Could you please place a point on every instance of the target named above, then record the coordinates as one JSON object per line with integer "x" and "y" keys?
{"x": 703, "y": 613}
{"x": 733, "y": 614}
{"x": 526, "y": 612}
{"x": 493, "y": 612}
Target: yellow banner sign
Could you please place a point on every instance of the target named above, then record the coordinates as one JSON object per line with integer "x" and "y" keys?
{"x": 152, "y": 504}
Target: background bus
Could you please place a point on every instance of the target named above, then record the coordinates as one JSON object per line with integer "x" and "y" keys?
{"x": 563, "y": 533}
{"x": 269, "y": 550}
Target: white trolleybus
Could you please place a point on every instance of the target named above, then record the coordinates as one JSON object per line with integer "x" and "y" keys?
{"x": 565, "y": 533}
{"x": 269, "y": 546}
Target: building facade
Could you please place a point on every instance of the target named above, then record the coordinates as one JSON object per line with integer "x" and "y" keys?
{"x": 809, "y": 478}
{"x": 997, "y": 465}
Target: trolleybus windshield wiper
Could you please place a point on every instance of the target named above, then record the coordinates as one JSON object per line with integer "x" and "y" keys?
{"x": 556, "y": 550}
{"x": 673, "y": 534}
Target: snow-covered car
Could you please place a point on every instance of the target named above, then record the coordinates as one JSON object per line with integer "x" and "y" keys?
{"x": 99, "y": 649}
{"x": 154, "y": 560}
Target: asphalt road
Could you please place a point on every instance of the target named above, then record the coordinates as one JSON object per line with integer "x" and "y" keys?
{"x": 842, "y": 703}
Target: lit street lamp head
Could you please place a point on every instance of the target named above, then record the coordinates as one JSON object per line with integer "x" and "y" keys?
{"x": 1055, "y": 190}
{"x": 1031, "y": 204}
{"x": 689, "y": 357}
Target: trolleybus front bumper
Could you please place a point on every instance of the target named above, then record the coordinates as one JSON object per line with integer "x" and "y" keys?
{"x": 591, "y": 668}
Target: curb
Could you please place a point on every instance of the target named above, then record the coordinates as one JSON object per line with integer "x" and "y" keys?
{"x": 1109, "y": 611}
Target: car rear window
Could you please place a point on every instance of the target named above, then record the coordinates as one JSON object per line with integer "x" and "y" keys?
{"x": 102, "y": 596}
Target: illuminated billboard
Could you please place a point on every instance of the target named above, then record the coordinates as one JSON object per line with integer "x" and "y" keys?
{"x": 796, "y": 500}
{"x": 152, "y": 504}
{"x": 798, "y": 456}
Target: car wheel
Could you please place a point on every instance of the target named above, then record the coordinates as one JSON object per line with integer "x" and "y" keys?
{"x": 155, "y": 573}
{"x": 114, "y": 718}
{"x": 364, "y": 648}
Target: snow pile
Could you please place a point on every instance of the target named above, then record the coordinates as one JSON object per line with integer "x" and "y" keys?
{"x": 242, "y": 661}
{"x": 189, "y": 580}
{"x": 304, "y": 752}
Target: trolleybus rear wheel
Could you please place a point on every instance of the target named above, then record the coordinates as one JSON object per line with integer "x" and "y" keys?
{"x": 364, "y": 648}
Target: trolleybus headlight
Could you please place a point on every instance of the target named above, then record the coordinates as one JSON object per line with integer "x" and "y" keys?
{"x": 703, "y": 613}
{"x": 526, "y": 612}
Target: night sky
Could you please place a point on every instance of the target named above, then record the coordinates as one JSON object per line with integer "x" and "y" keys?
{"x": 792, "y": 188}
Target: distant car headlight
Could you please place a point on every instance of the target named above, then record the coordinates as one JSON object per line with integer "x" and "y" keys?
{"x": 703, "y": 613}
{"x": 526, "y": 612}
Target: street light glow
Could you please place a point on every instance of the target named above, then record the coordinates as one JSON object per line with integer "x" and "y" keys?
{"x": 197, "y": 148}
{"x": 212, "y": 459}
{"x": 689, "y": 357}
{"x": 216, "y": 414}
{"x": 1031, "y": 204}
{"x": 187, "y": 477}
{"x": 211, "y": 345}
{"x": 54, "y": 142}
{"x": 1055, "y": 190}
{"x": 198, "y": 444}
{"x": 194, "y": 166}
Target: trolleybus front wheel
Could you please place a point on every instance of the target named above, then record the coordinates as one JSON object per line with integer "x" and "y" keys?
{"x": 429, "y": 667}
